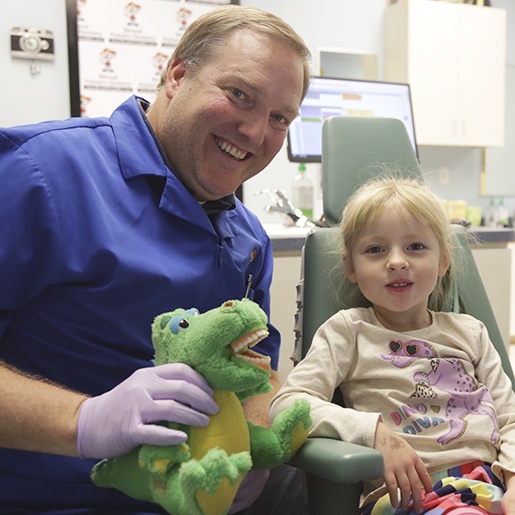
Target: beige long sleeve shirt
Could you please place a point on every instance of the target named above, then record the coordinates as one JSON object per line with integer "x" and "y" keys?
{"x": 442, "y": 387}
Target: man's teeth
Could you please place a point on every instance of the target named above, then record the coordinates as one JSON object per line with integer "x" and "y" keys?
{"x": 232, "y": 151}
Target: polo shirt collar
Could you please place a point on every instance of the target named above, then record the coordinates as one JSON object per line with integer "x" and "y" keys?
{"x": 134, "y": 132}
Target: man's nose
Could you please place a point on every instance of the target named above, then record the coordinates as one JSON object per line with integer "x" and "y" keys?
{"x": 254, "y": 128}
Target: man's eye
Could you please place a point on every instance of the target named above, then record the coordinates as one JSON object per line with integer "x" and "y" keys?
{"x": 238, "y": 93}
{"x": 281, "y": 119}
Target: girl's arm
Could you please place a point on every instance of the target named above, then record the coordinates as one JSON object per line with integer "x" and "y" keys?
{"x": 508, "y": 500}
{"x": 489, "y": 372}
{"x": 317, "y": 376}
{"x": 403, "y": 469}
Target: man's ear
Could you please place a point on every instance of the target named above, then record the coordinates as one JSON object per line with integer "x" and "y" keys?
{"x": 174, "y": 76}
{"x": 349, "y": 268}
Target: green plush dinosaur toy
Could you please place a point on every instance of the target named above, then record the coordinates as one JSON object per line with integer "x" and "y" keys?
{"x": 202, "y": 475}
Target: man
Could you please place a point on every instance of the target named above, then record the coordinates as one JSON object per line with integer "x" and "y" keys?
{"x": 104, "y": 224}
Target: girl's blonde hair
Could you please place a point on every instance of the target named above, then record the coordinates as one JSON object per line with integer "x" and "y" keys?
{"x": 387, "y": 192}
{"x": 209, "y": 31}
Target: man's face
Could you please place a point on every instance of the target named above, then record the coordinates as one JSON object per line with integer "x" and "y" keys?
{"x": 225, "y": 122}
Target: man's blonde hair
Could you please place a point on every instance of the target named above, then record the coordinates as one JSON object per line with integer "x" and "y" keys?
{"x": 388, "y": 192}
{"x": 208, "y": 32}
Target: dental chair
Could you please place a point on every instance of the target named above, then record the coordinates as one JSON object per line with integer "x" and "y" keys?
{"x": 353, "y": 150}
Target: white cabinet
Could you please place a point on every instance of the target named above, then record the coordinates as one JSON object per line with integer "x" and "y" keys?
{"x": 495, "y": 268}
{"x": 454, "y": 57}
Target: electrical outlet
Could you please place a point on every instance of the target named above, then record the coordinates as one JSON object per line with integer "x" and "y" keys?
{"x": 443, "y": 175}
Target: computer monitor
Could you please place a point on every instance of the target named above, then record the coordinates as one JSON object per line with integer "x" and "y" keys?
{"x": 345, "y": 97}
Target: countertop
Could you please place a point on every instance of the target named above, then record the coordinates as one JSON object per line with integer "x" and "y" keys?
{"x": 490, "y": 235}
{"x": 290, "y": 240}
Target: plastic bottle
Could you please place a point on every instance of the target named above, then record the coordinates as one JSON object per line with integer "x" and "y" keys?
{"x": 502, "y": 214}
{"x": 490, "y": 215}
{"x": 303, "y": 192}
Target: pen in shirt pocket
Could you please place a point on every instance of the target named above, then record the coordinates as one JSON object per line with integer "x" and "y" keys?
{"x": 248, "y": 286}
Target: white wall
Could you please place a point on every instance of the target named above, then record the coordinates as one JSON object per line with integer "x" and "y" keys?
{"x": 358, "y": 26}
{"x": 27, "y": 97}
{"x": 509, "y": 5}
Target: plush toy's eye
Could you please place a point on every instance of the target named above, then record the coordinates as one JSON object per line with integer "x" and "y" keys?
{"x": 179, "y": 323}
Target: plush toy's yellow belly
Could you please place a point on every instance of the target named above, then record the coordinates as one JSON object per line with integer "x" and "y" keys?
{"x": 227, "y": 430}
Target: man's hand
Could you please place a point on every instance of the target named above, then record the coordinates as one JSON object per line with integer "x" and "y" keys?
{"x": 403, "y": 469}
{"x": 249, "y": 490}
{"x": 117, "y": 421}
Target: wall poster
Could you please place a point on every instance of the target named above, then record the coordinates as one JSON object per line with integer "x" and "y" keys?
{"x": 123, "y": 46}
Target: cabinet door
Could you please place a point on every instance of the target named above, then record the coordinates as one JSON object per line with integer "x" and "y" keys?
{"x": 482, "y": 67}
{"x": 453, "y": 56}
{"x": 433, "y": 71}
{"x": 421, "y": 48}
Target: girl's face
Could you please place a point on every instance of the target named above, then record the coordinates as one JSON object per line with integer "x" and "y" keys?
{"x": 396, "y": 262}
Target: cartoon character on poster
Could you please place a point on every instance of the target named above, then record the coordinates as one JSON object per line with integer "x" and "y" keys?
{"x": 159, "y": 61}
{"x": 131, "y": 10}
{"x": 183, "y": 15}
{"x": 84, "y": 102}
{"x": 106, "y": 57}
{"x": 80, "y": 5}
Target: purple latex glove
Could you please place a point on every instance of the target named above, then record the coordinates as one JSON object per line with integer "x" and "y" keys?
{"x": 119, "y": 420}
{"x": 249, "y": 490}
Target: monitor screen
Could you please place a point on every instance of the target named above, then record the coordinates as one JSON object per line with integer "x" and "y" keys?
{"x": 345, "y": 97}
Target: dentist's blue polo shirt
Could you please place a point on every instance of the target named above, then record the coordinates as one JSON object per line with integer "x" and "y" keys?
{"x": 97, "y": 237}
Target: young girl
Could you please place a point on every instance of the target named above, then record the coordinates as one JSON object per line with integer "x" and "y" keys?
{"x": 422, "y": 386}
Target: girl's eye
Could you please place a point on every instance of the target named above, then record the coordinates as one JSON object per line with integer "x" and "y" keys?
{"x": 373, "y": 250}
{"x": 416, "y": 246}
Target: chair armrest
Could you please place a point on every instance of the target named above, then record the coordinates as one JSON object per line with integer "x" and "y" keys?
{"x": 341, "y": 462}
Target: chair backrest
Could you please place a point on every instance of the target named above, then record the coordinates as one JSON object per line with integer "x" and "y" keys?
{"x": 342, "y": 171}
{"x": 353, "y": 149}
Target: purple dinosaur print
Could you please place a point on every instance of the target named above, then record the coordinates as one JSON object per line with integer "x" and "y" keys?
{"x": 447, "y": 375}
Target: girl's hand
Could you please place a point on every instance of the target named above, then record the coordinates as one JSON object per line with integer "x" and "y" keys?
{"x": 403, "y": 469}
{"x": 508, "y": 499}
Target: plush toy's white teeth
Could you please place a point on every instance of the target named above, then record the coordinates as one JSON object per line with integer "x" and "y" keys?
{"x": 256, "y": 359}
{"x": 241, "y": 348}
{"x": 249, "y": 340}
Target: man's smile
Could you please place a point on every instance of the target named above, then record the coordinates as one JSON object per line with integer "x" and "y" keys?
{"x": 231, "y": 150}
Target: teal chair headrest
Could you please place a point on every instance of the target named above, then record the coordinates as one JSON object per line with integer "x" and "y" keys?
{"x": 347, "y": 158}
